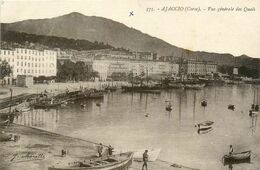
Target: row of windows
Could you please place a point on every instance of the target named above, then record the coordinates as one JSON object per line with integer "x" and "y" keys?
{"x": 34, "y": 71}
{"x": 6, "y": 52}
{"x": 35, "y": 64}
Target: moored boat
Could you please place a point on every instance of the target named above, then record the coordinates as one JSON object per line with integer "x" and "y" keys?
{"x": 235, "y": 158}
{"x": 121, "y": 161}
{"x": 195, "y": 86}
{"x": 205, "y": 123}
{"x": 144, "y": 89}
{"x": 46, "y": 105}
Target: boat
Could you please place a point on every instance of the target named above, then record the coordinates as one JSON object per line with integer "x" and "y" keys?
{"x": 168, "y": 107}
{"x": 205, "y": 123}
{"x": 253, "y": 113}
{"x": 153, "y": 154}
{"x": 46, "y": 105}
{"x": 204, "y": 103}
{"x": 195, "y": 86}
{"x": 142, "y": 89}
{"x": 26, "y": 109}
{"x": 204, "y": 130}
{"x": 111, "y": 88}
{"x": 231, "y": 107}
{"x": 4, "y": 123}
{"x": 235, "y": 158}
{"x": 121, "y": 161}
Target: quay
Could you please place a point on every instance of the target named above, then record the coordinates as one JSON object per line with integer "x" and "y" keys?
{"x": 38, "y": 149}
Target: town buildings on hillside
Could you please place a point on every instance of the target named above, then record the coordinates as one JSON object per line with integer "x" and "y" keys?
{"x": 107, "y": 63}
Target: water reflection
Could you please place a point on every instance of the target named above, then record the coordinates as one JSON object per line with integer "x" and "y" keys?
{"x": 173, "y": 131}
{"x": 44, "y": 119}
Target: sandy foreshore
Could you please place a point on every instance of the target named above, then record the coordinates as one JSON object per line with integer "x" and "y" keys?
{"x": 44, "y": 149}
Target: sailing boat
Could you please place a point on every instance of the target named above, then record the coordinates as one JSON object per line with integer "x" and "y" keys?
{"x": 255, "y": 106}
{"x": 141, "y": 87}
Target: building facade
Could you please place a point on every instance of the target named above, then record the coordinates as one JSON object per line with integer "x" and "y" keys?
{"x": 200, "y": 67}
{"x": 30, "y": 62}
{"x": 106, "y": 67}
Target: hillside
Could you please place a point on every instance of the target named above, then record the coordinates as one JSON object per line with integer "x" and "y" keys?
{"x": 92, "y": 28}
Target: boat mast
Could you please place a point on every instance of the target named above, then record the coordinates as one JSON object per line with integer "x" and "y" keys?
{"x": 11, "y": 97}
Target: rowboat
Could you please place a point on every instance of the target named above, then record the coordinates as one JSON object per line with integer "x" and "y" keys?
{"x": 195, "y": 86}
{"x": 235, "y": 158}
{"x": 121, "y": 161}
{"x": 205, "y": 123}
{"x": 204, "y": 130}
{"x": 4, "y": 123}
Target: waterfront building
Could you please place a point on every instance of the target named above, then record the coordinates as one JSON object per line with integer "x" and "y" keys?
{"x": 194, "y": 67}
{"x": 107, "y": 67}
{"x": 30, "y": 62}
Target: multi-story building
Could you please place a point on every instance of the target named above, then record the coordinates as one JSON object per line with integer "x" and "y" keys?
{"x": 194, "y": 67}
{"x": 106, "y": 67}
{"x": 30, "y": 62}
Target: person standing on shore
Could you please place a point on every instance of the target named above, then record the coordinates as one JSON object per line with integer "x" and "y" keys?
{"x": 100, "y": 149}
{"x": 231, "y": 150}
{"x": 145, "y": 159}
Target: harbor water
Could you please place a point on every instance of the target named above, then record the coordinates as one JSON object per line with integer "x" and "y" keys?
{"x": 133, "y": 121}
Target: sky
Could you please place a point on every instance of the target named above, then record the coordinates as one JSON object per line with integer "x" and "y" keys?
{"x": 234, "y": 32}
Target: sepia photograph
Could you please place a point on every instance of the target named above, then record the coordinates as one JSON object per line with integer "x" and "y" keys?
{"x": 129, "y": 84}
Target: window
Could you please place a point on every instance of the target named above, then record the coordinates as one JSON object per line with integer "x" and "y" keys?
{"x": 24, "y": 63}
{"x": 25, "y": 57}
{"x": 21, "y": 57}
{"x": 17, "y": 70}
{"x": 17, "y": 63}
{"x": 4, "y": 52}
{"x": 28, "y": 64}
{"x": 21, "y": 63}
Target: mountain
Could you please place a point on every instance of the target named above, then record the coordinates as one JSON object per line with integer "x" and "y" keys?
{"x": 92, "y": 28}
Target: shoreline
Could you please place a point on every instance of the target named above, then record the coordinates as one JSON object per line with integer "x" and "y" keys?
{"x": 49, "y": 144}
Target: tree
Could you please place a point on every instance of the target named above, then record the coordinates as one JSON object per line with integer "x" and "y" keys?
{"x": 5, "y": 69}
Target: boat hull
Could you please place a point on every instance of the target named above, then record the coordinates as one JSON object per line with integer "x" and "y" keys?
{"x": 235, "y": 158}
{"x": 142, "y": 89}
{"x": 121, "y": 165}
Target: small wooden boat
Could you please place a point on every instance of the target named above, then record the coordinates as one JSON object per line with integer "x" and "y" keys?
{"x": 204, "y": 130}
{"x": 168, "y": 108}
{"x": 235, "y": 158}
{"x": 195, "y": 86}
{"x": 4, "y": 123}
{"x": 205, "y": 123}
{"x": 253, "y": 113}
{"x": 231, "y": 107}
{"x": 204, "y": 103}
{"x": 121, "y": 161}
